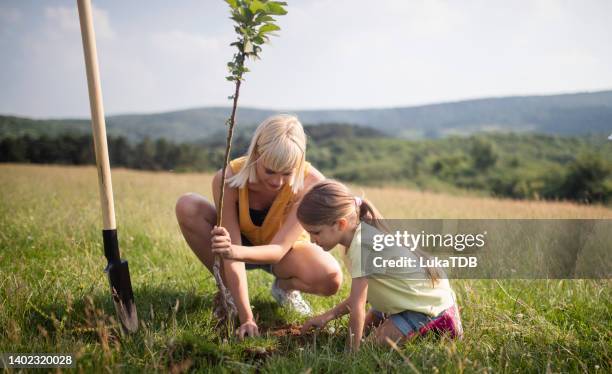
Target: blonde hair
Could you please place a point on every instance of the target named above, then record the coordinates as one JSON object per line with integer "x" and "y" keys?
{"x": 280, "y": 143}
{"x": 328, "y": 201}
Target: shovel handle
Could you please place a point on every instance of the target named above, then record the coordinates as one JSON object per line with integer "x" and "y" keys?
{"x": 97, "y": 114}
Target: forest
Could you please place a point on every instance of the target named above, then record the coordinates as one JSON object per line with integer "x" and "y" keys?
{"x": 521, "y": 166}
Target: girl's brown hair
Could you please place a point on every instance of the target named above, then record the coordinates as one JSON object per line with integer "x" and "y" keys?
{"x": 328, "y": 201}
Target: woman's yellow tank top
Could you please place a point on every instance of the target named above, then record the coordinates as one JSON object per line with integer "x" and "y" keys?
{"x": 261, "y": 235}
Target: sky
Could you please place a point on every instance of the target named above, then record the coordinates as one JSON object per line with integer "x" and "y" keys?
{"x": 158, "y": 55}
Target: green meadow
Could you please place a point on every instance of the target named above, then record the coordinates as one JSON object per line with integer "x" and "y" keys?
{"x": 54, "y": 296}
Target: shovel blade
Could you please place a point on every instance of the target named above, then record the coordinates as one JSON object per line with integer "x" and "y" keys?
{"x": 122, "y": 294}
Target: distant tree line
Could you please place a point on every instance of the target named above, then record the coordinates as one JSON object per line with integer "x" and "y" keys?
{"x": 520, "y": 166}
{"x": 71, "y": 149}
{"x": 507, "y": 165}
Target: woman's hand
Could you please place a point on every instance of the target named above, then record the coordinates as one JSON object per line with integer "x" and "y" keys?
{"x": 316, "y": 322}
{"x": 249, "y": 328}
{"x": 221, "y": 244}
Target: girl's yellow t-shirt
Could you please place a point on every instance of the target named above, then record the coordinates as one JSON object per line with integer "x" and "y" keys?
{"x": 395, "y": 292}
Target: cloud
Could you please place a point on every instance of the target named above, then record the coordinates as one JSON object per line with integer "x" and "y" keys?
{"x": 183, "y": 44}
{"x": 340, "y": 53}
{"x": 10, "y": 15}
{"x": 48, "y": 73}
{"x": 330, "y": 53}
{"x": 425, "y": 18}
{"x": 66, "y": 20}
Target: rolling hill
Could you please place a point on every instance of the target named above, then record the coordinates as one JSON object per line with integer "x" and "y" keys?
{"x": 567, "y": 114}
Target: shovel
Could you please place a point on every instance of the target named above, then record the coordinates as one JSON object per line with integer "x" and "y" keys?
{"x": 116, "y": 269}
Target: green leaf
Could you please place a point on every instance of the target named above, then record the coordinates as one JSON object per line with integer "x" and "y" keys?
{"x": 248, "y": 15}
{"x": 243, "y": 12}
{"x": 232, "y": 3}
{"x": 276, "y": 8}
{"x": 256, "y": 6}
{"x": 268, "y": 27}
{"x": 262, "y": 17}
{"x": 238, "y": 18}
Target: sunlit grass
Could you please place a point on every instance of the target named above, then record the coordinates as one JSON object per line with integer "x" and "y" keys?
{"x": 54, "y": 296}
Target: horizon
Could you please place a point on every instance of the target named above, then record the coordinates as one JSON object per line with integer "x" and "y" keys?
{"x": 282, "y": 110}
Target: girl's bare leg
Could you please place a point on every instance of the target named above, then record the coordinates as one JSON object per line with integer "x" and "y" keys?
{"x": 372, "y": 321}
{"x": 388, "y": 331}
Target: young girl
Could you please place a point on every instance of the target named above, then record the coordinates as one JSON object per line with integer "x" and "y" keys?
{"x": 402, "y": 306}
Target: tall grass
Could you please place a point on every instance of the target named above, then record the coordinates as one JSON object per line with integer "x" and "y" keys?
{"x": 54, "y": 296}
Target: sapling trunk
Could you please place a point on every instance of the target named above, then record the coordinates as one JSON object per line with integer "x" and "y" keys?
{"x": 226, "y": 297}
{"x": 254, "y": 22}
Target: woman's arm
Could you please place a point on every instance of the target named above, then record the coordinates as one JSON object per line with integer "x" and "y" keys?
{"x": 280, "y": 244}
{"x": 283, "y": 240}
{"x": 234, "y": 271}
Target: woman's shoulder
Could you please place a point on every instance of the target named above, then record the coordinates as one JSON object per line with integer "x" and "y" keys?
{"x": 233, "y": 168}
{"x": 229, "y": 172}
{"x": 312, "y": 177}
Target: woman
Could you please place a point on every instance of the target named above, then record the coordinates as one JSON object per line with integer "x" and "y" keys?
{"x": 259, "y": 215}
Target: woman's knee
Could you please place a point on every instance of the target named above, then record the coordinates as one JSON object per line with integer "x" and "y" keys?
{"x": 331, "y": 283}
{"x": 313, "y": 266}
{"x": 328, "y": 277}
{"x": 191, "y": 206}
{"x": 186, "y": 206}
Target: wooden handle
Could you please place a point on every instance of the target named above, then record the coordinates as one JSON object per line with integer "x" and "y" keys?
{"x": 97, "y": 114}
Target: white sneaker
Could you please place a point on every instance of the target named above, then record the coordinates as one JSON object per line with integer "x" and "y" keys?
{"x": 292, "y": 299}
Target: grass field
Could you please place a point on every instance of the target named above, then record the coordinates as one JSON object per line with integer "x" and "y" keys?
{"x": 54, "y": 296}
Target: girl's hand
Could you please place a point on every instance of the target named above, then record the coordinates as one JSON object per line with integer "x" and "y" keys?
{"x": 249, "y": 328}
{"x": 221, "y": 243}
{"x": 315, "y": 322}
